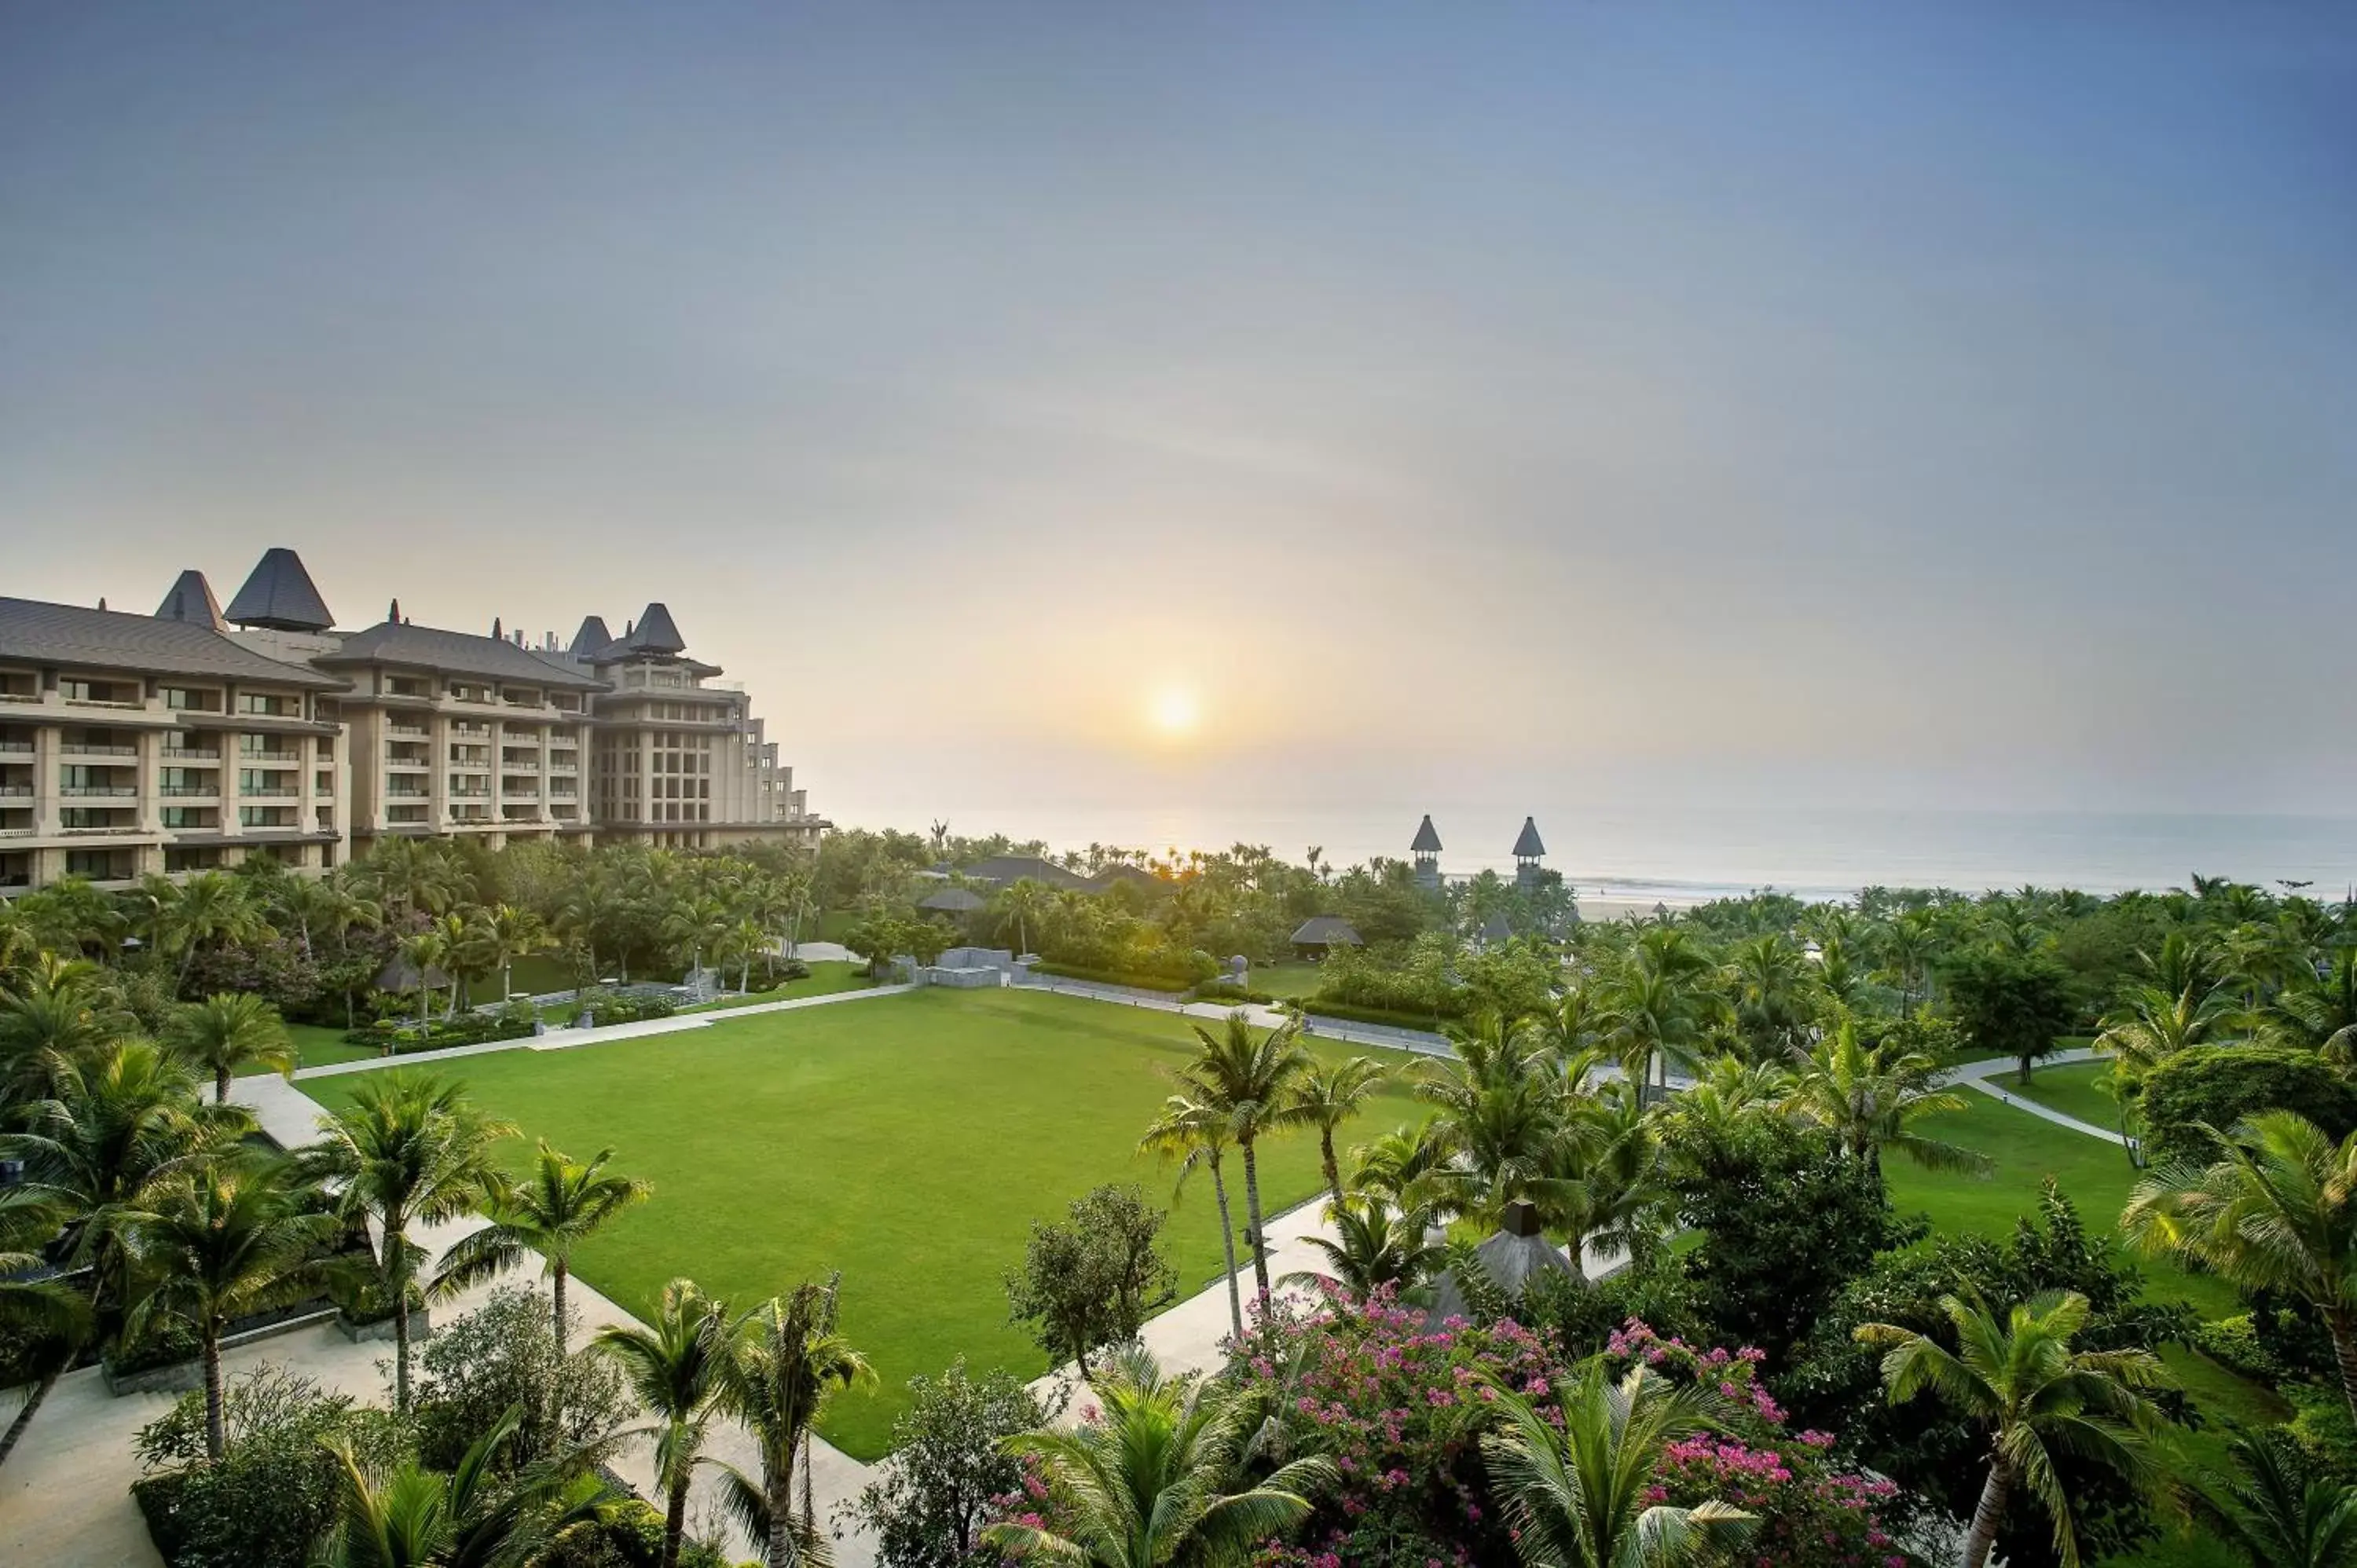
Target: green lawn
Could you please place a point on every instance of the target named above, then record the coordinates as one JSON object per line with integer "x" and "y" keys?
{"x": 826, "y": 976}
{"x": 909, "y": 1142}
{"x": 2077, "y": 1088}
{"x": 1288, "y": 982}
{"x": 319, "y": 1044}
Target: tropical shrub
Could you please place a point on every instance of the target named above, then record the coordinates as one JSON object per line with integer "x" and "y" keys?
{"x": 949, "y": 1467}
{"x": 504, "y": 1353}
{"x": 276, "y": 1489}
{"x": 2219, "y": 1085}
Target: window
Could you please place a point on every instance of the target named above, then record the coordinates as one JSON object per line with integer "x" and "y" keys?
{"x": 324, "y": 781}
{"x": 91, "y": 817}
{"x": 266, "y": 816}
{"x": 191, "y": 817}
{"x": 97, "y": 865}
{"x": 192, "y": 699}
{"x": 179, "y": 858}
{"x": 269, "y": 704}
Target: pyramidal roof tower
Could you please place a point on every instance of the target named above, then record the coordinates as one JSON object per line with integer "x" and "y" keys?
{"x": 593, "y": 636}
{"x": 1426, "y": 850}
{"x": 1529, "y": 850}
{"x": 656, "y": 633}
{"x": 191, "y": 599}
{"x": 280, "y": 595}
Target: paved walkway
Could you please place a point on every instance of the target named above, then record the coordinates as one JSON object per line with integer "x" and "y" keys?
{"x": 1261, "y": 1015}
{"x": 1983, "y": 1074}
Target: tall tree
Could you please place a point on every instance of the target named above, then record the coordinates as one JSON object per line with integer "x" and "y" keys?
{"x": 785, "y": 1358}
{"x": 2010, "y": 1003}
{"x": 674, "y": 1367}
{"x": 2038, "y": 1395}
{"x": 1328, "y": 1095}
{"x": 51, "y": 1321}
{"x": 558, "y": 1204}
{"x": 232, "y": 1239}
{"x": 1249, "y": 1079}
{"x": 407, "y": 1150}
{"x": 1873, "y": 1099}
{"x": 503, "y": 934}
{"x": 1198, "y": 1138}
{"x": 1157, "y": 1481}
{"x": 222, "y": 1034}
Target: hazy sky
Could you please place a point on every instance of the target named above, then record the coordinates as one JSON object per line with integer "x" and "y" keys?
{"x": 1465, "y": 404}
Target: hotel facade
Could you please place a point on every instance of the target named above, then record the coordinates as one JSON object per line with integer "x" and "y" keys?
{"x": 196, "y": 737}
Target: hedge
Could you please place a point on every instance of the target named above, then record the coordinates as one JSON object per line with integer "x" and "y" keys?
{"x": 1161, "y": 983}
{"x": 1217, "y": 992}
{"x": 1346, "y": 1013}
{"x": 2219, "y": 1085}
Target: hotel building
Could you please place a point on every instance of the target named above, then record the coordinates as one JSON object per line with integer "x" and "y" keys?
{"x": 195, "y": 737}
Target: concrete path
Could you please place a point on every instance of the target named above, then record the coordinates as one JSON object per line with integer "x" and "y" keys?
{"x": 1261, "y": 1016}
{"x": 1983, "y": 1075}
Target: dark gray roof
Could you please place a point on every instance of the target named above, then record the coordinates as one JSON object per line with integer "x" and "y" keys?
{"x": 279, "y": 595}
{"x": 655, "y": 633}
{"x": 1497, "y": 928}
{"x": 1104, "y": 880}
{"x": 32, "y": 632}
{"x": 1426, "y": 841}
{"x": 1528, "y": 845}
{"x": 455, "y": 653}
{"x": 1511, "y": 1261}
{"x": 1325, "y": 930}
{"x": 592, "y": 636}
{"x": 1003, "y": 868}
{"x": 191, "y": 599}
{"x": 954, "y": 901}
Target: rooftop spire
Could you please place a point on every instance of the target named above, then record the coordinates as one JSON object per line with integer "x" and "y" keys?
{"x": 279, "y": 595}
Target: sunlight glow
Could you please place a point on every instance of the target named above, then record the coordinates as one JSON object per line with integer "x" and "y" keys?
{"x": 1175, "y": 710}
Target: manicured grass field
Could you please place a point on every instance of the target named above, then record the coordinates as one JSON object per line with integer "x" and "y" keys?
{"x": 319, "y": 1044}
{"x": 1287, "y": 982}
{"x": 825, "y": 977}
{"x": 2077, "y": 1088}
{"x": 908, "y": 1140}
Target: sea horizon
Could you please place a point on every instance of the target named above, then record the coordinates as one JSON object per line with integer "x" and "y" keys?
{"x": 1682, "y": 856}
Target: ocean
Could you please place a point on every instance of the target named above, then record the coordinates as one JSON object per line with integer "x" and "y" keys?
{"x": 1684, "y": 856}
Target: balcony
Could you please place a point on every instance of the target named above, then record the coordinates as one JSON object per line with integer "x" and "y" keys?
{"x": 405, "y": 732}
{"x": 404, "y": 794}
{"x": 102, "y": 791}
{"x": 188, "y": 791}
{"x": 15, "y": 792}
{"x": 244, "y": 756}
{"x": 269, "y": 792}
{"x": 96, "y": 748}
{"x": 470, "y": 794}
{"x": 190, "y": 754}
{"x": 17, "y": 748}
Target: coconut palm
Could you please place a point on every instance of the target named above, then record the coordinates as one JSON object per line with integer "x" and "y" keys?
{"x": 2323, "y": 1015}
{"x": 415, "y": 1518}
{"x": 1503, "y": 1119}
{"x": 1326, "y": 1096}
{"x": 1021, "y": 903}
{"x": 1578, "y": 1495}
{"x": 212, "y": 907}
{"x": 1653, "y": 1005}
{"x": 1731, "y": 1093}
{"x": 673, "y": 1367}
{"x": 1769, "y": 985}
{"x": 222, "y": 1034}
{"x": 425, "y": 953}
{"x": 697, "y": 922}
{"x": 503, "y": 934}
{"x": 1373, "y": 1248}
{"x": 2276, "y": 1211}
{"x": 232, "y": 1239}
{"x": 1156, "y": 1481}
{"x": 785, "y": 1359}
{"x": 1198, "y": 1138}
{"x": 62, "y": 1009}
{"x": 2277, "y": 1514}
{"x": 2150, "y": 1024}
{"x": 1872, "y": 1099}
{"x": 2019, "y": 1377}
{"x": 408, "y": 1150}
{"x": 559, "y": 1204}
{"x": 51, "y": 1321}
{"x": 1249, "y": 1082}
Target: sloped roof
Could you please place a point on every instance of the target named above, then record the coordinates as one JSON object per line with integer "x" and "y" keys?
{"x": 1528, "y": 844}
{"x": 592, "y": 636}
{"x": 1511, "y": 1258}
{"x": 32, "y": 632}
{"x": 1325, "y": 930}
{"x": 279, "y": 595}
{"x": 191, "y": 599}
{"x": 655, "y": 632}
{"x": 1015, "y": 867}
{"x": 455, "y": 653}
{"x": 954, "y": 901}
{"x": 1104, "y": 880}
{"x": 1428, "y": 842}
{"x": 1497, "y": 928}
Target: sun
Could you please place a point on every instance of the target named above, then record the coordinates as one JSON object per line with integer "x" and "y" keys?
{"x": 1175, "y": 711}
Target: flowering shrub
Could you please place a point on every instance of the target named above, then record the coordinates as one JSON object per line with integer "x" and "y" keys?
{"x": 1401, "y": 1411}
{"x": 1811, "y": 1515}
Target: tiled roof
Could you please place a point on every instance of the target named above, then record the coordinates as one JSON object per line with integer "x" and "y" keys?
{"x": 454, "y": 653}
{"x": 1427, "y": 841}
{"x": 1325, "y": 930}
{"x": 1528, "y": 845}
{"x": 33, "y": 632}
{"x": 592, "y": 636}
{"x": 279, "y": 595}
{"x": 191, "y": 599}
{"x": 655, "y": 632}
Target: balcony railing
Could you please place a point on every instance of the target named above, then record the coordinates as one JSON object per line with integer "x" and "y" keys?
{"x": 194, "y": 753}
{"x": 245, "y": 755}
{"x": 269, "y": 792}
{"x": 102, "y": 791}
{"x": 15, "y": 792}
{"x": 470, "y": 794}
{"x": 183, "y": 791}
{"x": 19, "y": 748}
{"x": 96, "y": 748}
{"x": 104, "y": 702}
{"x": 405, "y": 732}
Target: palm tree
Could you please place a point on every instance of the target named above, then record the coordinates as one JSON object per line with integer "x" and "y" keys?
{"x": 2150, "y": 1024}
{"x": 2038, "y": 1397}
{"x": 1150, "y": 1483}
{"x": 50, "y": 1320}
{"x": 1731, "y": 1093}
{"x": 62, "y": 1010}
{"x": 1198, "y": 1137}
{"x": 469, "y": 1518}
{"x": 1652, "y": 1011}
{"x": 2277, "y": 1514}
{"x": 504, "y": 934}
{"x": 426, "y": 952}
{"x": 698, "y": 923}
{"x": 1771, "y": 990}
{"x": 1250, "y": 1082}
{"x": 2277, "y": 1211}
{"x": 2323, "y": 1015}
{"x": 408, "y": 1150}
{"x": 1504, "y": 1116}
{"x": 673, "y": 1368}
{"x": 1872, "y": 1100}
{"x": 1325, "y": 1097}
{"x": 224, "y": 1033}
{"x": 1578, "y": 1495}
{"x": 212, "y": 907}
{"x": 1373, "y": 1248}
{"x": 1021, "y": 903}
{"x": 785, "y": 1359}
{"x": 221, "y": 1243}
{"x": 561, "y": 1204}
